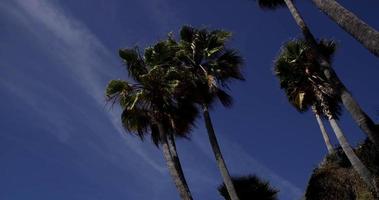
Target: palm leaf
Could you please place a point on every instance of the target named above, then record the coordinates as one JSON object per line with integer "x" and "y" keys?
{"x": 134, "y": 62}
{"x": 271, "y": 4}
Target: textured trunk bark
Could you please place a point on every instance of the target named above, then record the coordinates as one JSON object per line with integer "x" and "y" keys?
{"x": 360, "y": 117}
{"x": 329, "y": 146}
{"x": 217, "y": 152}
{"x": 357, "y": 164}
{"x": 351, "y": 105}
{"x": 174, "y": 154}
{"x": 300, "y": 22}
{"x": 365, "y": 34}
{"x": 175, "y": 174}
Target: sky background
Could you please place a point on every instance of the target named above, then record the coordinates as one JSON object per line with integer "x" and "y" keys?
{"x": 60, "y": 140}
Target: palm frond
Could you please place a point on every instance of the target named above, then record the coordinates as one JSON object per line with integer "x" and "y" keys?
{"x": 136, "y": 121}
{"x": 250, "y": 187}
{"x": 134, "y": 62}
{"x": 327, "y": 48}
{"x": 228, "y": 66}
{"x": 187, "y": 33}
{"x": 271, "y": 4}
{"x": 115, "y": 88}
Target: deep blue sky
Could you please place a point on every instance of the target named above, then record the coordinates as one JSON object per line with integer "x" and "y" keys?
{"x": 59, "y": 140}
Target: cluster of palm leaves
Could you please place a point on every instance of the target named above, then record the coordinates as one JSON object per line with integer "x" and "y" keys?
{"x": 175, "y": 80}
{"x": 172, "y": 82}
{"x": 250, "y": 187}
{"x": 306, "y": 87}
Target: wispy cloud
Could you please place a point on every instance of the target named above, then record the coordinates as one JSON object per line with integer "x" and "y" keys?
{"x": 82, "y": 53}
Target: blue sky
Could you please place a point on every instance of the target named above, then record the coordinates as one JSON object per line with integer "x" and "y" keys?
{"x": 59, "y": 139}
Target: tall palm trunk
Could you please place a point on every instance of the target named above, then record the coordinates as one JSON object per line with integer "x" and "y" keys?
{"x": 357, "y": 164}
{"x": 325, "y": 136}
{"x": 174, "y": 172}
{"x": 217, "y": 152}
{"x": 365, "y": 34}
{"x": 360, "y": 117}
{"x": 174, "y": 154}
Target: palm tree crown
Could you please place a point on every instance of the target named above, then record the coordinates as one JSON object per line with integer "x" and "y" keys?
{"x": 302, "y": 80}
{"x": 250, "y": 187}
{"x": 149, "y": 100}
{"x": 211, "y": 64}
{"x": 271, "y": 4}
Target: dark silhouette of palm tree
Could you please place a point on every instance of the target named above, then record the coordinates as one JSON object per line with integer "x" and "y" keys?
{"x": 209, "y": 66}
{"x": 294, "y": 56}
{"x": 250, "y": 187}
{"x": 306, "y": 86}
{"x": 149, "y": 107}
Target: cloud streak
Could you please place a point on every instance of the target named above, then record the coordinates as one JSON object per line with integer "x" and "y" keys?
{"x": 84, "y": 54}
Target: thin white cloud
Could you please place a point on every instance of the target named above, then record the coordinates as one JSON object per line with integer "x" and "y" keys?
{"x": 83, "y": 53}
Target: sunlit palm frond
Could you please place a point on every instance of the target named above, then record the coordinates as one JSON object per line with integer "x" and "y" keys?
{"x": 212, "y": 64}
{"x": 115, "y": 88}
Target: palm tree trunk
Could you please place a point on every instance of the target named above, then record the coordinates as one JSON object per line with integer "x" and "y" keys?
{"x": 301, "y": 23}
{"x": 329, "y": 146}
{"x": 360, "y": 117}
{"x": 217, "y": 152}
{"x": 174, "y": 172}
{"x": 174, "y": 154}
{"x": 365, "y": 34}
{"x": 357, "y": 164}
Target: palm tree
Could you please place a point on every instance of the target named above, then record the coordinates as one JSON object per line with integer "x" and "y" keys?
{"x": 366, "y": 124}
{"x": 365, "y": 34}
{"x": 305, "y": 86}
{"x": 149, "y": 107}
{"x": 210, "y": 66}
{"x": 250, "y": 187}
{"x": 292, "y": 53}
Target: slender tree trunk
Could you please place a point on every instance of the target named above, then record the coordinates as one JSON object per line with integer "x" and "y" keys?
{"x": 329, "y": 146}
{"x": 365, "y": 34}
{"x": 174, "y": 154}
{"x": 174, "y": 172}
{"x": 360, "y": 117}
{"x": 357, "y": 164}
{"x": 217, "y": 152}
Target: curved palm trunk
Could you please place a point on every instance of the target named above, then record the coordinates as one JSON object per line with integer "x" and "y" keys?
{"x": 360, "y": 117}
{"x": 174, "y": 154}
{"x": 325, "y": 136}
{"x": 357, "y": 164}
{"x": 365, "y": 34}
{"x": 217, "y": 152}
{"x": 174, "y": 172}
